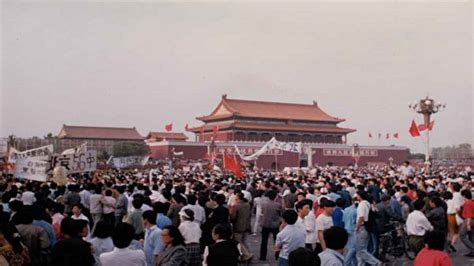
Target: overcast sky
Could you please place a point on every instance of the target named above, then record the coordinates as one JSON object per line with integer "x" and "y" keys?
{"x": 146, "y": 64}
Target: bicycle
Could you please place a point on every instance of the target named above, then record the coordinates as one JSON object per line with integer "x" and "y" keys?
{"x": 394, "y": 243}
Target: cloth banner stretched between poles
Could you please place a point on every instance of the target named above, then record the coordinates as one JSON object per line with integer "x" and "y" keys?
{"x": 40, "y": 153}
{"x": 272, "y": 144}
{"x": 124, "y": 162}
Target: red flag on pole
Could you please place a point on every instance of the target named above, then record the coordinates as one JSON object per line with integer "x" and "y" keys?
{"x": 387, "y": 136}
{"x": 414, "y": 132}
{"x": 232, "y": 165}
{"x": 431, "y": 125}
{"x": 422, "y": 127}
{"x": 169, "y": 127}
{"x": 370, "y": 135}
{"x": 395, "y": 135}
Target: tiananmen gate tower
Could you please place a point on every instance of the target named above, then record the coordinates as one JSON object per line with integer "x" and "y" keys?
{"x": 245, "y": 120}
{"x": 249, "y": 124}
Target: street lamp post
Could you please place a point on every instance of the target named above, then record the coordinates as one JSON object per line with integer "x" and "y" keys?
{"x": 427, "y": 107}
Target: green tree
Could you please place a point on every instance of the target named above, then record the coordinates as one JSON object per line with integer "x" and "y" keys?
{"x": 103, "y": 156}
{"x": 124, "y": 149}
{"x": 49, "y": 136}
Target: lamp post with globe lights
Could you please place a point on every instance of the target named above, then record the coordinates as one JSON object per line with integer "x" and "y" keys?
{"x": 427, "y": 107}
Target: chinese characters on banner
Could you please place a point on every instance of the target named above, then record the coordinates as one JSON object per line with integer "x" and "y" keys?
{"x": 74, "y": 163}
{"x": 348, "y": 152}
{"x": 32, "y": 169}
{"x": 41, "y": 154}
{"x": 123, "y": 162}
{"x": 247, "y": 151}
{"x": 270, "y": 145}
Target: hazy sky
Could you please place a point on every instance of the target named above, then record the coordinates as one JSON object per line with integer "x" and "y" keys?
{"x": 146, "y": 64}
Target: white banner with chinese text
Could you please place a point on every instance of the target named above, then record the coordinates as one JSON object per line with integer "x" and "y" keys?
{"x": 41, "y": 153}
{"x": 272, "y": 144}
{"x": 31, "y": 169}
{"x": 80, "y": 162}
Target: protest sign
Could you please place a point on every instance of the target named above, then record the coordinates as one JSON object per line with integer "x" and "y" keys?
{"x": 32, "y": 169}
{"x": 80, "y": 162}
{"x": 124, "y": 162}
{"x": 41, "y": 153}
{"x": 272, "y": 144}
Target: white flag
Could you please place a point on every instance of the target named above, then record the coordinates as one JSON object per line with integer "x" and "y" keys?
{"x": 78, "y": 149}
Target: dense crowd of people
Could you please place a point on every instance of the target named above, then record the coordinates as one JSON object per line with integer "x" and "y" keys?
{"x": 319, "y": 216}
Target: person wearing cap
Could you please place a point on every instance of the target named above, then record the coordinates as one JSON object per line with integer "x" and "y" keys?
{"x": 191, "y": 232}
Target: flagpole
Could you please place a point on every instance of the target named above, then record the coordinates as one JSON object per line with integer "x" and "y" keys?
{"x": 276, "y": 163}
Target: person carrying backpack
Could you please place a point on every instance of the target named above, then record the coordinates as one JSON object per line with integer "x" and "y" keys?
{"x": 362, "y": 234}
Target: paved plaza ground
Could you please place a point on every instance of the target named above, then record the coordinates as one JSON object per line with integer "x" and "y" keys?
{"x": 457, "y": 259}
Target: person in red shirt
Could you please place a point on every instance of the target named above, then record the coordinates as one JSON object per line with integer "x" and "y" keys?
{"x": 433, "y": 254}
{"x": 411, "y": 193}
{"x": 466, "y": 233}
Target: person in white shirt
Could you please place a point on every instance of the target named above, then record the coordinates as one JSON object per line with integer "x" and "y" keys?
{"x": 198, "y": 210}
{"x": 85, "y": 196}
{"x": 122, "y": 254}
{"x": 78, "y": 215}
{"x": 362, "y": 236}
{"x": 323, "y": 222}
{"x": 28, "y": 197}
{"x": 102, "y": 240}
{"x": 453, "y": 228}
{"x": 406, "y": 169}
{"x": 247, "y": 195}
{"x": 108, "y": 203}
{"x": 156, "y": 195}
{"x": 350, "y": 187}
{"x": 257, "y": 202}
{"x": 458, "y": 200}
{"x": 306, "y": 221}
{"x": 95, "y": 204}
{"x": 310, "y": 226}
{"x": 311, "y": 196}
{"x": 417, "y": 226}
{"x": 191, "y": 233}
